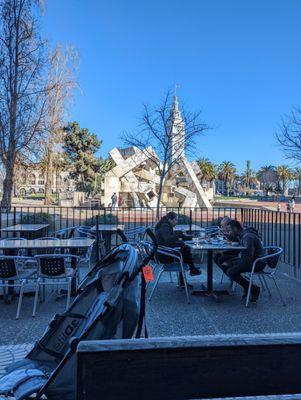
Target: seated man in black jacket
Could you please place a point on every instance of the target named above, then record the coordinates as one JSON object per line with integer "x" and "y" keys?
{"x": 234, "y": 267}
{"x": 222, "y": 256}
{"x": 167, "y": 237}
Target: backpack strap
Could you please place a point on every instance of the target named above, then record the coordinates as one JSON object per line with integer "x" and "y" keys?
{"x": 141, "y": 318}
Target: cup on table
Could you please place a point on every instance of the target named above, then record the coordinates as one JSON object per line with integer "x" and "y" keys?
{"x": 196, "y": 241}
{"x": 219, "y": 238}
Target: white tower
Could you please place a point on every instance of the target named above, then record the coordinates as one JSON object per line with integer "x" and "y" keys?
{"x": 176, "y": 136}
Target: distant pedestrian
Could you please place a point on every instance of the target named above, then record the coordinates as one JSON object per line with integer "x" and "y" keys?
{"x": 120, "y": 200}
{"x": 278, "y": 206}
{"x": 293, "y": 203}
{"x": 288, "y": 206}
{"x": 114, "y": 200}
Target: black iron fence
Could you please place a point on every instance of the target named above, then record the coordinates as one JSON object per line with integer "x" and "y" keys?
{"x": 276, "y": 228}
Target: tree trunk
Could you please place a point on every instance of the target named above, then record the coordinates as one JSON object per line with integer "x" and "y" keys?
{"x": 49, "y": 177}
{"x": 227, "y": 187}
{"x": 159, "y": 196}
{"x": 8, "y": 184}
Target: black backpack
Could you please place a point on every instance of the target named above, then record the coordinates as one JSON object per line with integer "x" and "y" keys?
{"x": 272, "y": 261}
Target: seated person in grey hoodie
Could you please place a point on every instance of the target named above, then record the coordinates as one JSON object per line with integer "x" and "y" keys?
{"x": 235, "y": 267}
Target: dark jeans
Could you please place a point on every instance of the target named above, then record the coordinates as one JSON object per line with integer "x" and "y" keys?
{"x": 220, "y": 258}
{"x": 187, "y": 259}
{"x": 186, "y": 254}
{"x": 234, "y": 268}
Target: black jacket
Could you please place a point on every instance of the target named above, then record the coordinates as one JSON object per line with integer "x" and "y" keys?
{"x": 165, "y": 234}
{"x": 254, "y": 249}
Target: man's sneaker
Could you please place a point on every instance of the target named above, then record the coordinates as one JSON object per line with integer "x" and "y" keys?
{"x": 255, "y": 292}
{"x": 195, "y": 271}
{"x": 244, "y": 294}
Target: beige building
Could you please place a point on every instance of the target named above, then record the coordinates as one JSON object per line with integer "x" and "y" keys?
{"x": 32, "y": 181}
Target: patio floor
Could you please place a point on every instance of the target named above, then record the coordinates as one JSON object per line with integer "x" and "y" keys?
{"x": 168, "y": 314}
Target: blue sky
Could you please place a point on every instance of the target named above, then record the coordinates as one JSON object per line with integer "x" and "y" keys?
{"x": 237, "y": 60}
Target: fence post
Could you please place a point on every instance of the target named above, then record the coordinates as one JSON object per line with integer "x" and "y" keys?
{"x": 242, "y": 215}
{"x": 15, "y": 216}
{"x": 97, "y": 239}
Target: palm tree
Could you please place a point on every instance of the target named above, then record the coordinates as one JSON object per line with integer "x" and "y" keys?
{"x": 208, "y": 169}
{"x": 284, "y": 175}
{"x": 226, "y": 173}
{"x": 267, "y": 177}
{"x": 249, "y": 178}
{"x": 297, "y": 176}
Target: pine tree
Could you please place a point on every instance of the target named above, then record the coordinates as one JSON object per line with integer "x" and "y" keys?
{"x": 80, "y": 148}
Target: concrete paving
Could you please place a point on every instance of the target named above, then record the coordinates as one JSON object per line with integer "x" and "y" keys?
{"x": 168, "y": 314}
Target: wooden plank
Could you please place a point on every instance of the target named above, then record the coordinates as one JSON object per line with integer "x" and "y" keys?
{"x": 190, "y": 367}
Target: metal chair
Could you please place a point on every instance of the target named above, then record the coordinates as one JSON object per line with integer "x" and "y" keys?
{"x": 84, "y": 254}
{"x": 13, "y": 252}
{"x": 212, "y": 231}
{"x": 65, "y": 233}
{"x": 136, "y": 234}
{"x": 177, "y": 266}
{"x": 272, "y": 259}
{"x": 12, "y": 275}
{"x": 53, "y": 270}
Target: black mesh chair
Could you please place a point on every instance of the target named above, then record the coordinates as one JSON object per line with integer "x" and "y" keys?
{"x": 53, "y": 270}
{"x": 13, "y": 273}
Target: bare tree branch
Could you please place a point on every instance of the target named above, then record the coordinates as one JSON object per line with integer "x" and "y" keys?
{"x": 289, "y": 136}
{"x": 22, "y": 87}
{"x": 167, "y": 132}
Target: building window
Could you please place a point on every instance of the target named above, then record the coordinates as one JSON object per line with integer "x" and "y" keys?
{"x": 23, "y": 179}
{"x": 32, "y": 179}
{"x": 41, "y": 180}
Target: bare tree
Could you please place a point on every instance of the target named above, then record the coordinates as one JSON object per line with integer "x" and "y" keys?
{"x": 22, "y": 87}
{"x": 289, "y": 136}
{"x": 164, "y": 134}
{"x": 61, "y": 82}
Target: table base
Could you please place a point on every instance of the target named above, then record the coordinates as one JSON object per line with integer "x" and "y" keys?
{"x": 214, "y": 294}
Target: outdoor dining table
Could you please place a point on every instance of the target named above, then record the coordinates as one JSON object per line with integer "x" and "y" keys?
{"x": 188, "y": 228}
{"x": 35, "y": 244}
{"x": 107, "y": 230}
{"x": 28, "y": 230}
{"x": 210, "y": 248}
{"x": 45, "y": 244}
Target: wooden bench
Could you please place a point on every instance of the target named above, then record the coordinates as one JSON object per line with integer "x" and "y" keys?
{"x": 190, "y": 367}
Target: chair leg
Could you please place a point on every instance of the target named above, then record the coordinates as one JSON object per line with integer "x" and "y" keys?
{"x": 170, "y": 275}
{"x": 266, "y": 285}
{"x": 249, "y": 291}
{"x": 36, "y": 297}
{"x": 261, "y": 282}
{"x": 278, "y": 290}
{"x": 222, "y": 278}
{"x": 186, "y": 287}
{"x": 20, "y": 299}
{"x": 155, "y": 284}
{"x": 69, "y": 293}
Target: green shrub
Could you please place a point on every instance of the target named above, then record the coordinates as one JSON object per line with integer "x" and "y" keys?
{"x": 108, "y": 219}
{"x": 38, "y": 218}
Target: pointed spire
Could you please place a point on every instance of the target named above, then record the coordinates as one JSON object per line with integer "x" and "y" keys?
{"x": 175, "y": 106}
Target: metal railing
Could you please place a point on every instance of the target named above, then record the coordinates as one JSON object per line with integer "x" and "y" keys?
{"x": 276, "y": 228}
